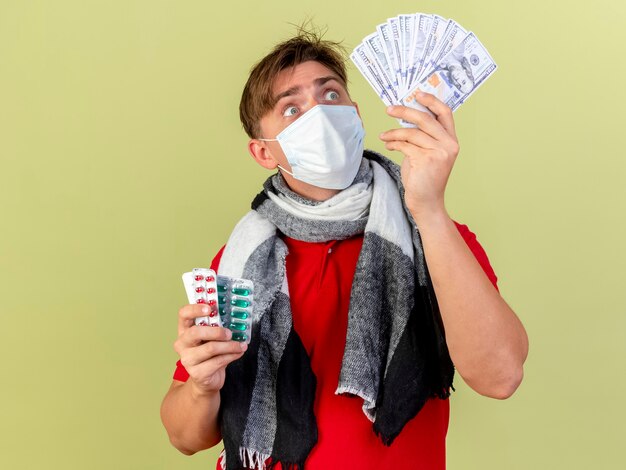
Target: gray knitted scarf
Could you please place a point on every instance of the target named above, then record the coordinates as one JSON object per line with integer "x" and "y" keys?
{"x": 395, "y": 356}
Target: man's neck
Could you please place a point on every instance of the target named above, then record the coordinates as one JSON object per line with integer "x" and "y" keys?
{"x": 307, "y": 190}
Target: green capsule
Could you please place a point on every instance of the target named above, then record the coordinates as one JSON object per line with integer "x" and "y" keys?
{"x": 239, "y": 336}
{"x": 239, "y": 314}
{"x": 221, "y": 299}
{"x": 240, "y": 303}
{"x": 241, "y": 291}
{"x": 221, "y": 288}
{"x": 238, "y": 326}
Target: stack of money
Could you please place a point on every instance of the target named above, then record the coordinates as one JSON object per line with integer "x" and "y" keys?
{"x": 423, "y": 52}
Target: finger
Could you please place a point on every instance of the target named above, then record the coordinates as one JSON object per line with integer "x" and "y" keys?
{"x": 203, "y": 333}
{"x": 191, "y": 311}
{"x": 200, "y": 334}
{"x": 413, "y": 136}
{"x": 188, "y": 313}
{"x": 441, "y": 110}
{"x": 424, "y": 121}
{"x": 404, "y": 147}
{"x": 210, "y": 367}
{"x": 207, "y": 351}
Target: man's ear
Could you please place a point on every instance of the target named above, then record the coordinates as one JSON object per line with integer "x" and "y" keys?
{"x": 262, "y": 154}
{"x": 356, "y": 105}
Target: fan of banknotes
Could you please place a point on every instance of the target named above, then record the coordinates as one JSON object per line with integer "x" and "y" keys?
{"x": 423, "y": 52}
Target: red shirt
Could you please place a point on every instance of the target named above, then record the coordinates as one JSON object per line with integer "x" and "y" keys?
{"x": 320, "y": 279}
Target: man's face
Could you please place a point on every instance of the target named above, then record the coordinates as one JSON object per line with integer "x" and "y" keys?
{"x": 299, "y": 89}
{"x": 460, "y": 79}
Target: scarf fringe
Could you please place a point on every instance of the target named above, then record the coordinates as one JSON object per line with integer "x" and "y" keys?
{"x": 222, "y": 459}
{"x": 255, "y": 460}
{"x": 443, "y": 394}
{"x": 446, "y": 393}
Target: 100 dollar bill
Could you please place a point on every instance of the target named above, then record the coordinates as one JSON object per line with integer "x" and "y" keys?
{"x": 456, "y": 76}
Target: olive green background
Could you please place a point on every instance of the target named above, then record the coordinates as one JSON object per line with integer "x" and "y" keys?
{"x": 123, "y": 164}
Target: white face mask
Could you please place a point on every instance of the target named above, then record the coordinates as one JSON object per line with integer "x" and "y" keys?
{"x": 324, "y": 147}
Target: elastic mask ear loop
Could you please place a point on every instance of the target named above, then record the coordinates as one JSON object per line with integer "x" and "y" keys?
{"x": 276, "y": 140}
{"x": 288, "y": 172}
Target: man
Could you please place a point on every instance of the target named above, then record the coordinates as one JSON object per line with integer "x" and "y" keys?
{"x": 358, "y": 272}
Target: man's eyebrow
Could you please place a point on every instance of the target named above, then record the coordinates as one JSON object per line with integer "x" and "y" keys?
{"x": 320, "y": 81}
{"x": 296, "y": 89}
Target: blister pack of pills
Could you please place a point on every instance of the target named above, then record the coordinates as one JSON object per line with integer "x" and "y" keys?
{"x": 201, "y": 287}
{"x": 231, "y": 301}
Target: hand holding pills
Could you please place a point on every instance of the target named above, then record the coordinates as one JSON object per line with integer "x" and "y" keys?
{"x": 224, "y": 304}
{"x": 205, "y": 352}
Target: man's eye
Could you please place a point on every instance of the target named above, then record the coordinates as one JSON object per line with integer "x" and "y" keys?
{"x": 331, "y": 95}
{"x": 290, "y": 111}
